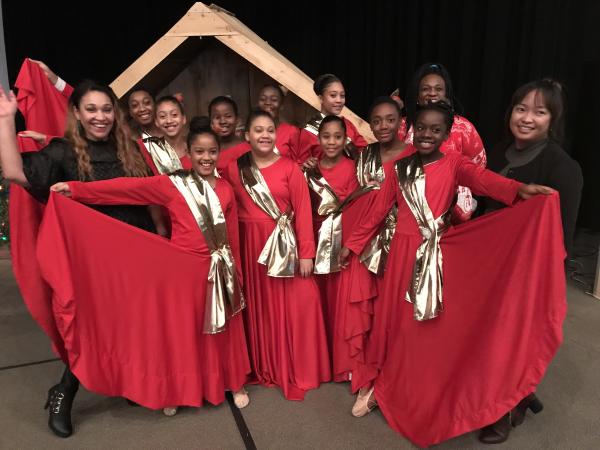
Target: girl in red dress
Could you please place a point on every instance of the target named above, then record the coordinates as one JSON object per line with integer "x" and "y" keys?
{"x": 270, "y": 99}
{"x": 335, "y": 192}
{"x": 224, "y": 360}
{"x": 332, "y": 95}
{"x": 375, "y": 164}
{"x": 427, "y": 387}
{"x": 141, "y": 107}
{"x": 223, "y": 115}
{"x": 286, "y": 333}
{"x": 432, "y": 83}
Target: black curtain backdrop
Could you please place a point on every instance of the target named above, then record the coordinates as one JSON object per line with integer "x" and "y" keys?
{"x": 489, "y": 47}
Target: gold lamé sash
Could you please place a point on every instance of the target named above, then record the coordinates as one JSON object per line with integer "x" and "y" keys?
{"x": 163, "y": 155}
{"x": 224, "y": 297}
{"x": 312, "y": 126}
{"x": 280, "y": 252}
{"x": 369, "y": 168}
{"x": 330, "y": 232}
{"x": 425, "y": 289}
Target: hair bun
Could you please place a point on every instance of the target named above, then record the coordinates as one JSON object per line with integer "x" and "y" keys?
{"x": 199, "y": 124}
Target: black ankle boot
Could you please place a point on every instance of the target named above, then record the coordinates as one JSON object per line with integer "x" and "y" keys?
{"x": 60, "y": 401}
{"x": 499, "y": 431}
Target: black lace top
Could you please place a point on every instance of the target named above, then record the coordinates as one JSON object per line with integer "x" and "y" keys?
{"x": 57, "y": 162}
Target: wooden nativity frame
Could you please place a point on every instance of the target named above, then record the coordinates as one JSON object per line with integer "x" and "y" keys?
{"x": 186, "y": 37}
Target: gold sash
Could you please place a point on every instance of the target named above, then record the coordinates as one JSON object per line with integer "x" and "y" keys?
{"x": 280, "y": 252}
{"x": 370, "y": 168}
{"x": 330, "y": 233}
{"x": 312, "y": 126}
{"x": 224, "y": 297}
{"x": 163, "y": 155}
{"x": 426, "y": 287}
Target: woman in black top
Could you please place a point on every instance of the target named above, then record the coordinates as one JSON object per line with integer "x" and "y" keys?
{"x": 96, "y": 146}
{"x": 533, "y": 154}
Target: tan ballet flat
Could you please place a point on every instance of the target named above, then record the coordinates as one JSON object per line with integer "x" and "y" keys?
{"x": 364, "y": 404}
{"x": 241, "y": 398}
{"x": 170, "y": 411}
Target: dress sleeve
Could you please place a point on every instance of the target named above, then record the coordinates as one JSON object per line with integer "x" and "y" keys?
{"x": 125, "y": 191}
{"x": 305, "y": 147}
{"x": 381, "y": 204}
{"x": 567, "y": 179}
{"x": 147, "y": 158}
{"x": 485, "y": 182}
{"x": 355, "y": 136}
{"x": 300, "y": 199}
{"x": 233, "y": 231}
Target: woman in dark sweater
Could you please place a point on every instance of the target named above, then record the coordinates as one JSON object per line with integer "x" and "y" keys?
{"x": 96, "y": 146}
{"x": 533, "y": 154}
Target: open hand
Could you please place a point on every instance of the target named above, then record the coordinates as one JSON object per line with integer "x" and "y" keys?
{"x": 529, "y": 190}
{"x": 343, "y": 257}
{"x": 51, "y": 75}
{"x": 310, "y": 163}
{"x": 61, "y": 188}
{"x": 8, "y": 104}
{"x": 306, "y": 267}
{"x": 35, "y": 135}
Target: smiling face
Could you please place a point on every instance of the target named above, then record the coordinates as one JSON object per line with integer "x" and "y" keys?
{"x": 223, "y": 119}
{"x": 204, "y": 151}
{"x": 530, "y": 120}
{"x": 96, "y": 113}
{"x": 261, "y": 135}
{"x": 141, "y": 108}
{"x": 432, "y": 88}
{"x": 269, "y": 100}
{"x": 385, "y": 122}
{"x": 333, "y": 99}
{"x": 170, "y": 119}
{"x": 332, "y": 139}
{"x": 431, "y": 131}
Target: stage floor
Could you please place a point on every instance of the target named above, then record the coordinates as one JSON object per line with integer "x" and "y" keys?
{"x": 570, "y": 392}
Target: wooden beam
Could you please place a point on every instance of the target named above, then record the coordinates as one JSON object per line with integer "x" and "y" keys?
{"x": 286, "y": 74}
{"x": 145, "y": 63}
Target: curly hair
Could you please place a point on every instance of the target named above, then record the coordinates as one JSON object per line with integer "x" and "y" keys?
{"x": 127, "y": 151}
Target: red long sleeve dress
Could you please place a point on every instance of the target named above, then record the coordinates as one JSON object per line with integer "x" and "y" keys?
{"x": 160, "y": 332}
{"x": 308, "y": 143}
{"x": 504, "y": 303}
{"x": 284, "y": 319}
{"x": 346, "y": 295}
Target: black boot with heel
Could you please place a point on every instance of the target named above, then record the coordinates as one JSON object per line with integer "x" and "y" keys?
{"x": 499, "y": 431}
{"x": 59, "y": 402}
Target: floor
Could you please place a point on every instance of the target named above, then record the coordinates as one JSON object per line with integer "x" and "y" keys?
{"x": 570, "y": 391}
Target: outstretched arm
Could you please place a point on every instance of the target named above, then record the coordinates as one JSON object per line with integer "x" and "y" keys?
{"x": 10, "y": 158}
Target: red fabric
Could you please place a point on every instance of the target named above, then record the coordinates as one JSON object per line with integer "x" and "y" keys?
{"x": 308, "y": 143}
{"x": 286, "y": 142}
{"x": 119, "y": 307}
{"x": 465, "y": 140}
{"x": 286, "y": 333}
{"x": 498, "y": 332}
{"x": 186, "y": 162}
{"x": 231, "y": 154}
{"x": 44, "y": 110}
{"x": 347, "y": 295}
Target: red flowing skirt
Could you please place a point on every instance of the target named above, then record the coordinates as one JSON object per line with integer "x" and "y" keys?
{"x": 131, "y": 324}
{"x": 284, "y": 321}
{"x": 504, "y": 305}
